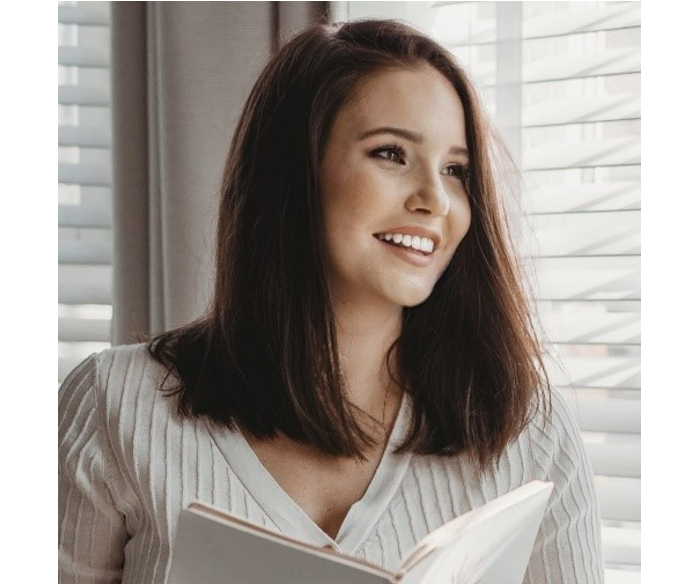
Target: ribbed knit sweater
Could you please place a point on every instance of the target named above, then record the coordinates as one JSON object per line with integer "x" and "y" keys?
{"x": 128, "y": 465}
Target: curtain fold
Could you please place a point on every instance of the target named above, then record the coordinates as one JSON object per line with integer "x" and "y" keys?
{"x": 181, "y": 73}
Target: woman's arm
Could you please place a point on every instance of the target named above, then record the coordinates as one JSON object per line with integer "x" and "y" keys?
{"x": 91, "y": 530}
{"x": 568, "y": 548}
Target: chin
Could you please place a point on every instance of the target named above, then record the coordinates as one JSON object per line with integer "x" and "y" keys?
{"x": 416, "y": 302}
{"x": 412, "y": 297}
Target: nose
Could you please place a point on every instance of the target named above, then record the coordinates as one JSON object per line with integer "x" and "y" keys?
{"x": 429, "y": 196}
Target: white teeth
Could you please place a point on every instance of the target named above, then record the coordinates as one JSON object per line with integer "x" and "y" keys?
{"x": 415, "y": 242}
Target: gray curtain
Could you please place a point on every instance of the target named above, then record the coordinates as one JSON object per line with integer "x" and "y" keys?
{"x": 181, "y": 72}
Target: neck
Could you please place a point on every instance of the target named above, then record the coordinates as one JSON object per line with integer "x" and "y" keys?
{"x": 364, "y": 336}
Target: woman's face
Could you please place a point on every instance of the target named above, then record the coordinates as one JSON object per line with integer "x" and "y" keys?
{"x": 394, "y": 200}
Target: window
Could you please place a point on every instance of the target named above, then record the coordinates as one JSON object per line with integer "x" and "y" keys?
{"x": 84, "y": 177}
{"x": 561, "y": 81}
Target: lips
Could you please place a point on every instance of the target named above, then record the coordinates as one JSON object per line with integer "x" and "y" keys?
{"x": 421, "y": 244}
{"x": 413, "y": 257}
{"x": 406, "y": 236}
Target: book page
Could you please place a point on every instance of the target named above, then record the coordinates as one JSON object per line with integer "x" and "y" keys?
{"x": 212, "y": 549}
{"x": 491, "y": 544}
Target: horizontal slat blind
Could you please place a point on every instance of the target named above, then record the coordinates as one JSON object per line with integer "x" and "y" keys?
{"x": 597, "y": 109}
{"x": 584, "y": 198}
{"x": 581, "y": 159}
{"x": 87, "y": 13}
{"x": 622, "y": 459}
{"x": 84, "y": 216}
{"x": 462, "y": 23}
{"x": 579, "y": 148}
{"x": 604, "y": 414}
{"x": 77, "y": 330}
{"x": 83, "y": 285}
{"x": 97, "y": 173}
{"x": 83, "y": 95}
{"x": 85, "y": 136}
{"x": 83, "y": 56}
{"x": 84, "y": 181}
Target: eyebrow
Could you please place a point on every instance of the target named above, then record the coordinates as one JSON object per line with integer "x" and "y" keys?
{"x": 416, "y": 137}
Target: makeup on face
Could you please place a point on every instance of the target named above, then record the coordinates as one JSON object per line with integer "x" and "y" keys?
{"x": 394, "y": 187}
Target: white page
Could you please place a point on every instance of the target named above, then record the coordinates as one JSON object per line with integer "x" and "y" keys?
{"x": 490, "y": 545}
{"x": 208, "y": 551}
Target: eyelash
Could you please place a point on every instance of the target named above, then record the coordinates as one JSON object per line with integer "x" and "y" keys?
{"x": 390, "y": 148}
{"x": 462, "y": 170}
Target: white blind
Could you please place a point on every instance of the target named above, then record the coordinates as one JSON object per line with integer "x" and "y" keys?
{"x": 84, "y": 179}
{"x": 561, "y": 80}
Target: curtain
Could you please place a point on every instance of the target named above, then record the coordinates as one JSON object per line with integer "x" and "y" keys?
{"x": 181, "y": 72}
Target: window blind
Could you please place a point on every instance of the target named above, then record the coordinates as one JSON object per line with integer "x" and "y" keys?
{"x": 561, "y": 81}
{"x": 84, "y": 179}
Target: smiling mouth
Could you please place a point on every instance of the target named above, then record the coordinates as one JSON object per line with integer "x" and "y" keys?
{"x": 416, "y": 244}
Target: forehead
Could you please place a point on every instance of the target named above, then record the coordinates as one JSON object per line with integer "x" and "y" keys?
{"x": 419, "y": 99}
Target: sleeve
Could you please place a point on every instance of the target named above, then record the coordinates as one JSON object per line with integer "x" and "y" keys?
{"x": 91, "y": 529}
{"x": 568, "y": 547}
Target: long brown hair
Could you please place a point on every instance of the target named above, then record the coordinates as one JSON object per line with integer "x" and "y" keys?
{"x": 265, "y": 357}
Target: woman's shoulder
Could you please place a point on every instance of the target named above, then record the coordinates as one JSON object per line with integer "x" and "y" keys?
{"x": 553, "y": 414}
{"x": 116, "y": 377}
{"x": 554, "y": 433}
{"x": 128, "y": 363}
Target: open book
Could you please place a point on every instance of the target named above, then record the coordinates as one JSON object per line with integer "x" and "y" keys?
{"x": 490, "y": 544}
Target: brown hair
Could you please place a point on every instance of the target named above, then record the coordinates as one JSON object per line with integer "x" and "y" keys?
{"x": 265, "y": 356}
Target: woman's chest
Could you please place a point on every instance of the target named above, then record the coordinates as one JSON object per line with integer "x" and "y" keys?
{"x": 324, "y": 487}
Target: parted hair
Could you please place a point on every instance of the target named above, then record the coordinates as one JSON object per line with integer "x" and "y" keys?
{"x": 264, "y": 357}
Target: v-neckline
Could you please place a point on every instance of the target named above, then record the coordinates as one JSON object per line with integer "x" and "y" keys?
{"x": 290, "y": 518}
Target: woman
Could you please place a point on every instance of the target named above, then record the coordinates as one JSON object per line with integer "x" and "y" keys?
{"x": 367, "y": 370}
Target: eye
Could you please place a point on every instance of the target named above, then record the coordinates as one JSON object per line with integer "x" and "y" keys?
{"x": 459, "y": 171}
{"x": 393, "y": 153}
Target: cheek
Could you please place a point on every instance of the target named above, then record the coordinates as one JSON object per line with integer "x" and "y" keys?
{"x": 461, "y": 220}
{"x": 467, "y": 221}
{"x": 340, "y": 193}
{"x": 353, "y": 204}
